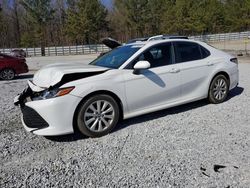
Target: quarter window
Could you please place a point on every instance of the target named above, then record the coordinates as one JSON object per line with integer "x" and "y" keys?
{"x": 205, "y": 53}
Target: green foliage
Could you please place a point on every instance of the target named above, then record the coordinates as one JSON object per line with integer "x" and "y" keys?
{"x": 28, "y": 40}
{"x": 185, "y": 17}
{"x": 238, "y": 14}
{"x": 63, "y": 22}
{"x": 40, "y": 12}
{"x": 139, "y": 16}
{"x": 85, "y": 20}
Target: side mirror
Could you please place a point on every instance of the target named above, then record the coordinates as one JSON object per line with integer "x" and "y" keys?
{"x": 141, "y": 65}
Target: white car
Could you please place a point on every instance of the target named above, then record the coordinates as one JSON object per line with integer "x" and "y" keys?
{"x": 134, "y": 79}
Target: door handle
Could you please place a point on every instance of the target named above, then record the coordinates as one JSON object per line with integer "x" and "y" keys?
{"x": 174, "y": 70}
{"x": 210, "y": 64}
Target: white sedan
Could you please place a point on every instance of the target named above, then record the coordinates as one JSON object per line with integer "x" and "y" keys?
{"x": 134, "y": 79}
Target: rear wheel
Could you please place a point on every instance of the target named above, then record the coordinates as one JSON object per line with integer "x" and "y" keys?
{"x": 97, "y": 116}
{"x": 7, "y": 74}
{"x": 218, "y": 90}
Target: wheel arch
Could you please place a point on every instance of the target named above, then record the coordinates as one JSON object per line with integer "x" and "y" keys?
{"x": 99, "y": 92}
{"x": 224, "y": 73}
{"x": 11, "y": 68}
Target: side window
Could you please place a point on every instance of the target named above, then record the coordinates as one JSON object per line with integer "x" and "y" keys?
{"x": 157, "y": 56}
{"x": 187, "y": 51}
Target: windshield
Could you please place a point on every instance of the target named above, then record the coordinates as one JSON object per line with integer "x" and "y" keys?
{"x": 115, "y": 58}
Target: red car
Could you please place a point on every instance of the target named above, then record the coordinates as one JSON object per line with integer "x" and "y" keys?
{"x": 11, "y": 66}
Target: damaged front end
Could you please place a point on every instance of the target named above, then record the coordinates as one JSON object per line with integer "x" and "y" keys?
{"x": 31, "y": 118}
{"x": 46, "y": 98}
{"x": 23, "y": 97}
{"x": 34, "y": 93}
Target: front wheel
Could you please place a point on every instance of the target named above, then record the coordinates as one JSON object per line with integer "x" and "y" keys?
{"x": 97, "y": 116}
{"x": 218, "y": 90}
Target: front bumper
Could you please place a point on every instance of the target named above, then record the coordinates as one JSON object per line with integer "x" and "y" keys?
{"x": 48, "y": 117}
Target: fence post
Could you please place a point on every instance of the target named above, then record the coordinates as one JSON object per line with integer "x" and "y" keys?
{"x": 56, "y": 50}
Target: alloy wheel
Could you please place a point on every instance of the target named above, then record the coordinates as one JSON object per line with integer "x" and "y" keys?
{"x": 220, "y": 89}
{"x": 99, "y": 116}
{"x": 7, "y": 74}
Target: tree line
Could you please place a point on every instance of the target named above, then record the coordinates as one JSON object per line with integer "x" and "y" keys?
{"x": 32, "y": 23}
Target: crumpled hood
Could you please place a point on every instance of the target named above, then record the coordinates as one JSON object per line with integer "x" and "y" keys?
{"x": 51, "y": 75}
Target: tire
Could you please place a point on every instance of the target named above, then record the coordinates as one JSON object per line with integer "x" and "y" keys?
{"x": 7, "y": 74}
{"x": 219, "y": 89}
{"x": 94, "y": 121}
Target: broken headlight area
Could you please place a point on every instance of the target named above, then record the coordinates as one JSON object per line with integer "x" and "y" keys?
{"x": 52, "y": 93}
{"x": 28, "y": 95}
{"x": 46, "y": 94}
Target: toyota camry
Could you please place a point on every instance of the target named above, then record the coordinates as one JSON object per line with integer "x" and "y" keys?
{"x": 140, "y": 77}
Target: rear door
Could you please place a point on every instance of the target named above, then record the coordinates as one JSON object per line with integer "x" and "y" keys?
{"x": 193, "y": 60}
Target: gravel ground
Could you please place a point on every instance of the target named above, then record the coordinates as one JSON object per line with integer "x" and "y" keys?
{"x": 195, "y": 145}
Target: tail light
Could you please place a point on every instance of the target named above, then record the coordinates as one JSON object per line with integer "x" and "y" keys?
{"x": 234, "y": 60}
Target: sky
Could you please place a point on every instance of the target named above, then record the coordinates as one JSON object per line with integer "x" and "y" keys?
{"x": 107, "y": 3}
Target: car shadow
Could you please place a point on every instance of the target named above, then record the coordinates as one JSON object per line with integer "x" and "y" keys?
{"x": 174, "y": 110}
{"x": 154, "y": 78}
{"x": 67, "y": 138}
{"x": 20, "y": 77}
{"x": 148, "y": 117}
{"x": 235, "y": 92}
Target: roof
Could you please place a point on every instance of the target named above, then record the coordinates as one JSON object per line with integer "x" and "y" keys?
{"x": 159, "y": 41}
{"x": 112, "y": 43}
{"x": 157, "y": 37}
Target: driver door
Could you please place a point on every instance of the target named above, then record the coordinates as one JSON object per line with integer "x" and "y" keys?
{"x": 155, "y": 87}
